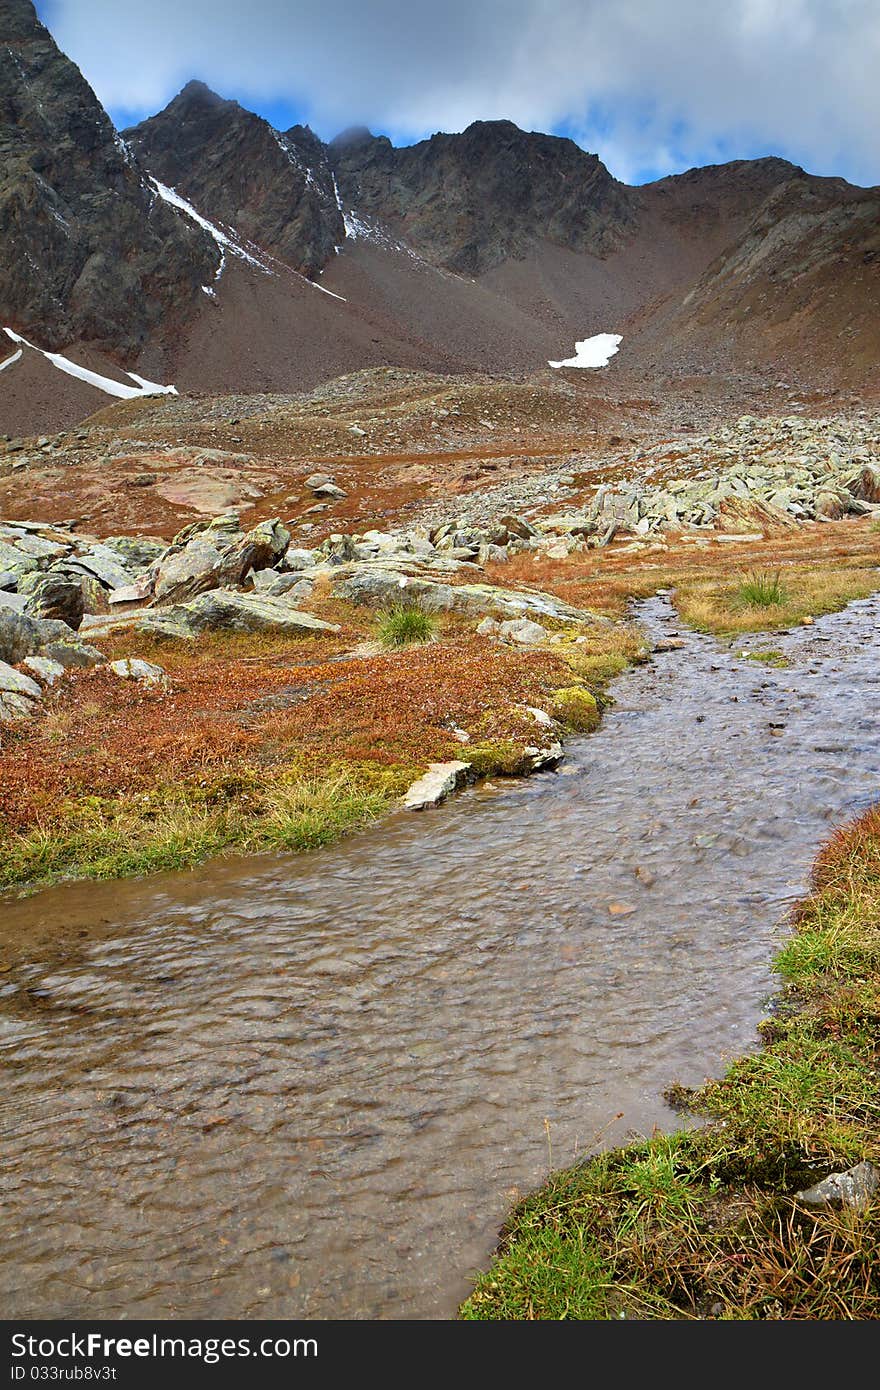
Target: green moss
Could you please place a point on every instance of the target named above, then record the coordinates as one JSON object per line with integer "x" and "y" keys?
{"x": 576, "y": 707}
{"x": 503, "y": 758}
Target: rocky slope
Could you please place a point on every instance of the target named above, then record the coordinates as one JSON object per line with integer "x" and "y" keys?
{"x": 86, "y": 249}
{"x": 470, "y": 201}
{"x": 275, "y": 189}
{"x": 492, "y": 250}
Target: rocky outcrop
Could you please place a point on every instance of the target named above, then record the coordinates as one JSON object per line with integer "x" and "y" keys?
{"x": 468, "y": 202}
{"x": 229, "y": 611}
{"x": 276, "y": 190}
{"x": 87, "y": 252}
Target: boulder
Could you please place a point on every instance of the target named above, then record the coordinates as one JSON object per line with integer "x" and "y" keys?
{"x": 103, "y": 563}
{"x": 188, "y": 572}
{"x": 15, "y": 561}
{"x": 15, "y": 682}
{"x": 517, "y": 526}
{"x": 136, "y": 553}
{"x": 57, "y": 595}
{"x": 230, "y": 611}
{"x": 72, "y": 654}
{"x": 19, "y": 635}
{"x": 208, "y": 561}
{"x": 376, "y": 587}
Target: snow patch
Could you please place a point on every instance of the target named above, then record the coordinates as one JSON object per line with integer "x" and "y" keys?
{"x": 10, "y": 361}
{"x": 592, "y": 352}
{"x": 103, "y": 383}
{"x": 223, "y": 239}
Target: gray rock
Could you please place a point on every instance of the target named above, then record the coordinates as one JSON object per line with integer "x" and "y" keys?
{"x": 524, "y": 631}
{"x": 136, "y": 553}
{"x": 853, "y": 1188}
{"x": 517, "y": 526}
{"x": 193, "y": 568}
{"x": 435, "y": 785}
{"x": 19, "y": 636}
{"x": 104, "y": 564}
{"x": 15, "y": 561}
{"x": 14, "y": 707}
{"x": 57, "y": 595}
{"x": 376, "y": 587}
{"x": 330, "y": 490}
{"x": 543, "y": 759}
{"x": 44, "y": 668}
{"x": 230, "y": 611}
{"x": 12, "y": 681}
{"x": 72, "y": 654}
{"x": 134, "y": 669}
{"x": 137, "y": 592}
{"x": 12, "y": 600}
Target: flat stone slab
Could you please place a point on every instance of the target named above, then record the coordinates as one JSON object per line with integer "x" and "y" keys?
{"x": 12, "y": 681}
{"x": 229, "y": 611}
{"x": 377, "y": 587}
{"x": 853, "y": 1188}
{"x": 435, "y": 785}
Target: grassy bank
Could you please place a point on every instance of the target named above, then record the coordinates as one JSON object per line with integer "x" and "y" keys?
{"x": 261, "y": 743}
{"x": 704, "y": 1223}
{"x": 819, "y": 570}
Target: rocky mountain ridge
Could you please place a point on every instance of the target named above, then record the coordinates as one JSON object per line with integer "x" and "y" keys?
{"x": 88, "y": 251}
{"x": 490, "y": 250}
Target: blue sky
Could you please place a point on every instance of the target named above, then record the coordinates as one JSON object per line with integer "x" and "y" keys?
{"x": 653, "y": 86}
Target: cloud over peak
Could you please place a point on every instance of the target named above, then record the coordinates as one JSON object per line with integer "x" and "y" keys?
{"x": 652, "y": 87}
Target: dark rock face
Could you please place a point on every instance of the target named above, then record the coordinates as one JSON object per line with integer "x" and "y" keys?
{"x": 57, "y": 595}
{"x": 275, "y": 190}
{"x": 470, "y": 201}
{"x": 86, "y": 249}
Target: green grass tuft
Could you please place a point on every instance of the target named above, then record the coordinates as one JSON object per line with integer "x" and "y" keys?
{"x": 761, "y": 589}
{"x": 402, "y": 625}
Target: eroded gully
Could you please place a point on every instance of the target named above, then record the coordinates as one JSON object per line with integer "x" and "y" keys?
{"x": 310, "y": 1086}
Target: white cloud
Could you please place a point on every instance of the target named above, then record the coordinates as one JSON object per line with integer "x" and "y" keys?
{"x": 647, "y": 83}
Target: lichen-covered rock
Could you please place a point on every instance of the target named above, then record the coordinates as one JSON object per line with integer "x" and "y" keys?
{"x": 229, "y": 611}
{"x": 135, "y": 669}
{"x": 59, "y": 595}
{"x": 12, "y": 681}
{"x": 376, "y": 587}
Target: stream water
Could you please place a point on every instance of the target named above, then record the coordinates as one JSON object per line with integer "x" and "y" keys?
{"x": 311, "y": 1086}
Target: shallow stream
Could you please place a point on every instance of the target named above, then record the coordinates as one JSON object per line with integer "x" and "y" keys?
{"x": 311, "y": 1086}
